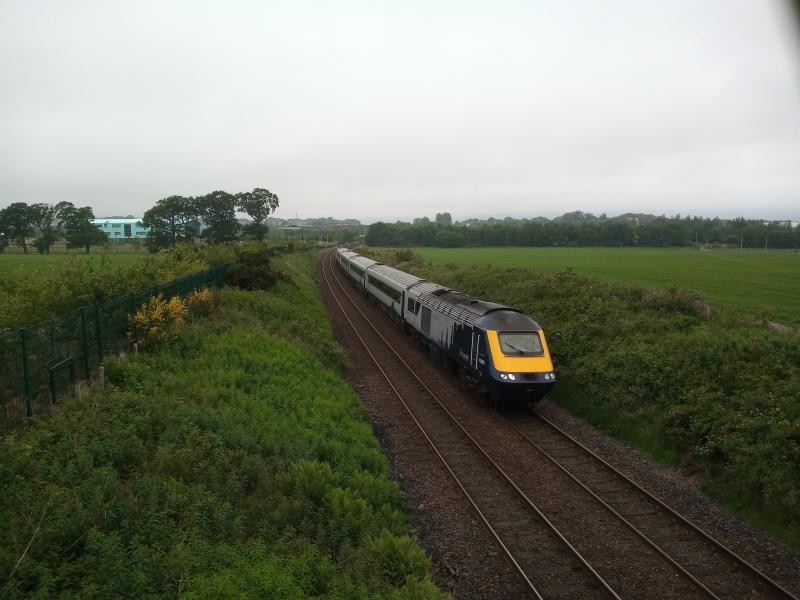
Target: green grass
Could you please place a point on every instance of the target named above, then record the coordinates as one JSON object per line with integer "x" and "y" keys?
{"x": 236, "y": 463}
{"x": 14, "y": 264}
{"x": 762, "y": 284}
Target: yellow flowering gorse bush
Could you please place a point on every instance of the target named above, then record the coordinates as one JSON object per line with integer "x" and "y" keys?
{"x": 203, "y": 303}
{"x": 157, "y": 321}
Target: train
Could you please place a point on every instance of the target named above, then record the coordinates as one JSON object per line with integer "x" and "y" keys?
{"x": 498, "y": 349}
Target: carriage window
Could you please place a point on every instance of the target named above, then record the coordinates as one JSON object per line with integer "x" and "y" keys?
{"x": 521, "y": 344}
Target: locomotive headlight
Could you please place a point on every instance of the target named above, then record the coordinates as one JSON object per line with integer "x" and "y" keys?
{"x": 511, "y": 376}
{"x": 503, "y": 376}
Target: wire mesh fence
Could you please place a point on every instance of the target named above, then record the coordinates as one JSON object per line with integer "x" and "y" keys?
{"x": 42, "y": 363}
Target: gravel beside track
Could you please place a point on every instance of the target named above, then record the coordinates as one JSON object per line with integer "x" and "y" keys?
{"x": 469, "y": 560}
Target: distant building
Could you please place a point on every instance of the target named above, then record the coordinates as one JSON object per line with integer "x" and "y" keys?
{"x": 121, "y": 230}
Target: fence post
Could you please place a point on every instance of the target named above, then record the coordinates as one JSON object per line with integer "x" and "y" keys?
{"x": 99, "y": 325}
{"x": 23, "y": 342}
{"x": 85, "y": 343}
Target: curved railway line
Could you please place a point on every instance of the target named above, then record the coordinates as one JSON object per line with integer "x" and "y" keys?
{"x": 654, "y": 542}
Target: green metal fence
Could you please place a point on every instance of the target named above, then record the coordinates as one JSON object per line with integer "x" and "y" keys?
{"x": 40, "y": 364}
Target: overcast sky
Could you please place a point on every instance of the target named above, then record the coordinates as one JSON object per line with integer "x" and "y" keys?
{"x": 392, "y": 110}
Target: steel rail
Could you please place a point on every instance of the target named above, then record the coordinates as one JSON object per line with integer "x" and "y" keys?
{"x": 671, "y": 511}
{"x": 687, "y": 574}
{"x": 478, "y": 447}
{"x": 466, "y": 494}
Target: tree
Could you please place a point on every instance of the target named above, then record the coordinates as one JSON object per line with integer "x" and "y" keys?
{"x": 80, "y": 232}
{"x": 171, "y": 220}
{"x": 257, "y": 204}
{"x": 43, "y": 216}
{"x": 17, "y": 221}
{"x": 218, "y": 211}
{"x": 444, "y": 218}
{"x": 5, "y": 232}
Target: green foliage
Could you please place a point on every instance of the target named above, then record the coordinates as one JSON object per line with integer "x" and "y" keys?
{"x": 218, "y": 212}
{"x": 718, "y": 394}
{"x": 258, "y": 204}
{"x": 399, "y": 557}
{"x": 34, "y": 295}
{"x": 292, "y": 309}
{"x": 233, "y": 463}
{"x": 80, "y": 232}
{"x": 16, "y": 223}
{"x": 764, "y": 284}
{"x": 171, "y": 221}
{"x": 251, "y": 270}
{"x": 583, "y": 229}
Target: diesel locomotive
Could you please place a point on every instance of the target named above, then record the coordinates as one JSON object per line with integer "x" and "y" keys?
{"x": 501, "y": 350}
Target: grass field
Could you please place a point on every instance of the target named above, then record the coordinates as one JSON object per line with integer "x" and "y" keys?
{"x": 14, "y": 263}
{"x": 753, "y": 281}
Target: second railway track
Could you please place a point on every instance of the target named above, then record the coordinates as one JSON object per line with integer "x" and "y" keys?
{"x": 509, "y": 473}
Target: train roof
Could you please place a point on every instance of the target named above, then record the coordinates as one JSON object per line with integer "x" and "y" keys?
{"x": 362, "y": 261}
{"x": 401, "y": 278}
{"x": 483, "y": 314}
{"x": 465, "y": 308}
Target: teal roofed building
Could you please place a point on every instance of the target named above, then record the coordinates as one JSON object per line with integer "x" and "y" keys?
{"x": 122, "y": 230}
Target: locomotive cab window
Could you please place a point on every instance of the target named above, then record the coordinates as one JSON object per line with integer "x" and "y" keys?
{"x": 521, "y": 344}
{"x": 413, "y": 306}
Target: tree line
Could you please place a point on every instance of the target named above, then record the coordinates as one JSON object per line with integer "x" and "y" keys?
{"x": 212, "y": 217}
{"x": 661, "y": 231}
{"x": 172, "y": 220}
{"x": 48, "y": 223}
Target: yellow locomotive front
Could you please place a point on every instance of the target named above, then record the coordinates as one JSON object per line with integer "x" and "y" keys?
{"x": 519, "y": 367}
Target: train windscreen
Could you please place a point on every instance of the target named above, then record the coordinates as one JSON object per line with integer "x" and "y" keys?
{"x": 521, "y": 344}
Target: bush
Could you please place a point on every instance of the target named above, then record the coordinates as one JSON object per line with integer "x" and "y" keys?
{"x": 399, "y": 557}
{"x": 157, "y": 321}
{"x": 203, "y": 303}
{"x": 252, "y": 270}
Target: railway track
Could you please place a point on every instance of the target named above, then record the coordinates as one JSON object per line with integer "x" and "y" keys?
{"x": 715, "y": 566}
{"x": 706, "y": 568}
{"x": 547, "y": 564}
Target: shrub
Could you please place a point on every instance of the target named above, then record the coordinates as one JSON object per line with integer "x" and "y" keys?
{"x": 252, "y": 269}
{"x": 157, "y": 321}
{"x": 203, "y": 303}
{"x": 398, "y": 557}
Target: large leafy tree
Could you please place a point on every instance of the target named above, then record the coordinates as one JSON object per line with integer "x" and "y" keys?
{"x": 170, "y": 221}
{"x": 43, "y": 216}
{"x": 17, "y": 222}
{"x": 218, "y": 212}
{"x": 80, "y": 232}
{"x": 258, "y": 205}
